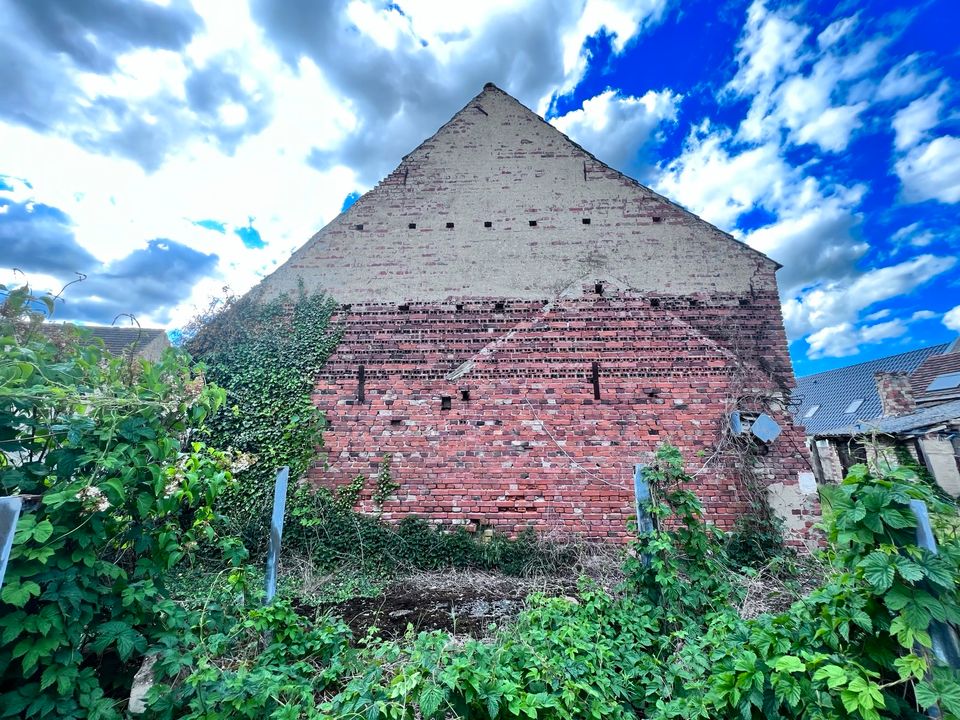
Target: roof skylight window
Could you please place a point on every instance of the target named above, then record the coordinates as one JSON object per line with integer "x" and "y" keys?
{"x": 946, "y": 381}
{"x": 811, "y": 412}
{"x": 854, "y": 406}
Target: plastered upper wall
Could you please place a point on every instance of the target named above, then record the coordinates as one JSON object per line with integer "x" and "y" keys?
{"x": 498, "y": 163}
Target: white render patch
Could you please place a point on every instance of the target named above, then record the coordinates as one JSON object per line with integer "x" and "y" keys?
{"x": 507, "y": 166}
{"x": 807, "y": 482}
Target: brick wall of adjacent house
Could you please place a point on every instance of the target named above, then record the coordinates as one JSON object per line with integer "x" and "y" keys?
{"x": 529, "y": 445}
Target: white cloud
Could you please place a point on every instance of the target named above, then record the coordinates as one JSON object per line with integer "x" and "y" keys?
{"x": 829, "y": 305}
{"x": 719, "y": 184}
{"x": 931, "y": 171}
{"x": 813, "y": 96}
{"x": 845, "y": 339}
{"x": 912, "y": 122}
{"x": 913, "y": 234}
{"x": 904, "y": 79}
{"x": 952, "y": 319}
{"x": 922, "y": 315}
{"x": 615, "y": 128}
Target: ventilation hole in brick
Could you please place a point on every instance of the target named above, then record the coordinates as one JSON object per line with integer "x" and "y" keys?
{"x": 498, "y": 307}
{"x": 464, "y": 394}
{"x": 654, "y": 432}
{"x": 694, "y": 303}
{"x": 395, "y": 421}
{"x": 654, "y": 302}
{"x": 446, "y": 402}
{"x": 449, "y": 226}
{"x": 359, "y": 226}
{"x": 412, "y": 226}
{"x": 744, "y": 302}
{"x": 585, "y": 221}
{"x": 533, "y": 223}
{"x": 403, "y": 308}
{"x": 346, "y": 306}
{"x": 487, "y": 223}
{"x": 657, "y": 219}
{"x": 598, "y": 288}
{"x": 459, "y": 307}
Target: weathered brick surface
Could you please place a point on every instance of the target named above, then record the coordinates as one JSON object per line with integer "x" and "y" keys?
{"x": 531, "y": 447}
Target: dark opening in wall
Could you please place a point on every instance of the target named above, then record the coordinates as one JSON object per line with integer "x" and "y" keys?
{"x": 459, "y": 307}
{"x": 361, "y": 383}
{"x": 694, "y": 303}
{"x": 657, "y": 219}
{"x": 464, "y": 395}
{"x": 654, "y": 302}
{"x": 498, "y": 307}
{"x": 449, "y": 226}
{"x": 359, "y": 226}
{"x": 743, "y": 302}
{"x": 598, "y": 288}
{"x": 403, "y": 308}
{"x": 585, "y": 221}
{"x": 595, "y": 379}
{"x": 487, "y": 223}
{"x": 446, "y": 402}
{"x": 533, "y": 223}
{"x": 395, "y": 421}
{"x": 412, "y": 226}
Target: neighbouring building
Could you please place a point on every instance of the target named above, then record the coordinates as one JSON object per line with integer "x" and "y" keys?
{"x": 886, "y": 411}
{"x": 524, "y": 325}
{"x": 147, "y": 343}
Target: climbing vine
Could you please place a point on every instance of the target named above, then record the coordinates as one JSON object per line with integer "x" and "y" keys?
{"x": 266, "y": 355}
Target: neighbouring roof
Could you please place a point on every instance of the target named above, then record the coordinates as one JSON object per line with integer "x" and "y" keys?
{"x": 916, "y": 421}
{"x": 936, "y": 379}
{"x": 117, "y": 339}
{"x": 835, "y": 390}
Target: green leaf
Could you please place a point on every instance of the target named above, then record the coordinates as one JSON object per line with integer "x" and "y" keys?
{"x": 42, "y": 531}
{"x": 789, "y": 664}
{"x": 18, "y": 594}
{"x": 835, "y": 676}
{"x": 878, "y": 570}
{"x": 430, "y": 698}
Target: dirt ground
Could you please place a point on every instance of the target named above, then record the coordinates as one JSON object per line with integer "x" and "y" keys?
{"x": 461, "y": 603}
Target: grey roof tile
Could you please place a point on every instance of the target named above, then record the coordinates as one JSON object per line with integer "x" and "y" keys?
{"x": 834, "y": 390}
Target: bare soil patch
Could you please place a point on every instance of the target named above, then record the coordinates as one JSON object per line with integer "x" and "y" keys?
{"x": 461, "y": 603}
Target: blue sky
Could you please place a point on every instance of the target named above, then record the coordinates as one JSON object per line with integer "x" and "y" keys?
{"x": 169, "y": 150}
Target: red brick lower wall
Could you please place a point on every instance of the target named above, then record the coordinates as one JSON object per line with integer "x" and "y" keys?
{"x": 531, "y": 446}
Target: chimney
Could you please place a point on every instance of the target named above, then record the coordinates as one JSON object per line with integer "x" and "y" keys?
{"x": 896, "y": 396}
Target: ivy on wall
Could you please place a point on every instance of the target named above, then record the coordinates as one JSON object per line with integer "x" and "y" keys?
{"x": 266, "y": 355}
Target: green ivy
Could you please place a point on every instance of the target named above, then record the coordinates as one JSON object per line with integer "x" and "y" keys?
{"x": 266, "y": 355}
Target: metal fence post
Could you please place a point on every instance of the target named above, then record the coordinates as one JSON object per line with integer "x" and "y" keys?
{"x": 276, "y": 531}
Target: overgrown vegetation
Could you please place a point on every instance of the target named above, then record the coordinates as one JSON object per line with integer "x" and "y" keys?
{"x": 104, "y": 448}
{"x": 266, "y": 356}
{"x": 667, "y": 644}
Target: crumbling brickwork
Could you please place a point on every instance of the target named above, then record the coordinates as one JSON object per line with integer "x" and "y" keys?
{"x": 483, "y": 281}
{"x": 525, "y": 442}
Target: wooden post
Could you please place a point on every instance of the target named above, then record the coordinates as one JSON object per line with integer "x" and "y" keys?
{"x": 276, "y": 531}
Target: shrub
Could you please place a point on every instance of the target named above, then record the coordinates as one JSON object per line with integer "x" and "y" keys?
{"x": 107, "y": 445}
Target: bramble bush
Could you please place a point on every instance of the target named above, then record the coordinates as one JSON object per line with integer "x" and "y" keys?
{"x": 123, "y": 493}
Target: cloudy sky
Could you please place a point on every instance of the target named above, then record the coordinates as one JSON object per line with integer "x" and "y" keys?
{"x": 168, "y": 149}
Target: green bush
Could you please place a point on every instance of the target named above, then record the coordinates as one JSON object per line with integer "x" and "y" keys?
{"x": 123, "y": 494}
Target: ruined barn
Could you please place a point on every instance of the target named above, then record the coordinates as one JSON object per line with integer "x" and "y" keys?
{"x": 524, "y": 325}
